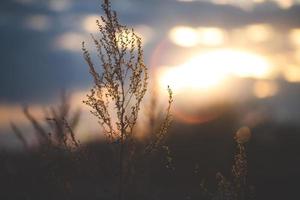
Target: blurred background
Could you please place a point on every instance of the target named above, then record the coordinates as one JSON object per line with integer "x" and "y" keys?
{"x": 213, "y": 53}
{"x": 230, "y": 64}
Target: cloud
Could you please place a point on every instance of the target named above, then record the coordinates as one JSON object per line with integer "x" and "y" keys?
{"x": 70, "y": 41}
{"x": 59, "y": 5}
{"x": 38, "y": 22}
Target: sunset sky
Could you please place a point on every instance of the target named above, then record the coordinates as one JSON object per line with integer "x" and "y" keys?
{"x": 210, "y": 52}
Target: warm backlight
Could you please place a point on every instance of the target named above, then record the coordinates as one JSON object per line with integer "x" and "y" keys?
{"x": 209, "y": 69}
{"x": 186, "y": 36}
{"x": 201, "y": 83}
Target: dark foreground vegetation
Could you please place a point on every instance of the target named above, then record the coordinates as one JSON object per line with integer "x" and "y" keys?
{"x": 198, "y": 153}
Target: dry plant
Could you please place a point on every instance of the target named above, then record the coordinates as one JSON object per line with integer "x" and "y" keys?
{"x": 236, "y": 188}
{"x": 56, "y": 140}
{"x": 119, "y": 89}
{"x": 61, "y": 125}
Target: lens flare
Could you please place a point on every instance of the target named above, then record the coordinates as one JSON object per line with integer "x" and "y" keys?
{"x": 201, "y": 82}
{"x": 184, "y": 36}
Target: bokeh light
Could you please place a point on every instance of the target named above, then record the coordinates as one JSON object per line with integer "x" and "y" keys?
{"x": 264, "y": 89}
{"x": 70, "y": 41}
{"x": 184, "y": 36}
{"x": 210, "y": 68}
{"x": 89, "y": 23}
{"x": 292, "y": 73}
{"x": 259, "y": 32}
{"x": 295, "y": 36}
{"x": 211, "y": 36}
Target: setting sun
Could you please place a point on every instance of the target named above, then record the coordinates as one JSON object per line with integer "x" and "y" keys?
{"x": 207, "y": 70}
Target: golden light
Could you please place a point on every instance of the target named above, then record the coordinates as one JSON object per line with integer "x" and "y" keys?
{"x": 285, "y": 4}
{"x": 192, "y": 75}
{"x": 184, "y": 36}
{"x": 259, "y": 32}
{"x": 264, "y": 89}
{"x": 13, "y": 113}
{"x": 211, "y": 36}
{"x": 145, "y": 32}
{"x": 247, "y": 65}
{"x": 142, "y": 31}
{"x": 70, "y": 41}
{"x": 209, "y": 69}
{"x": 243, "y": 134}
{"x": 259, "y": 1}
{"x": 294, "y": 36}
{"x": 292, "y": 73}
{"x": 89, "y": 23}
{"x": 297, "y": 55}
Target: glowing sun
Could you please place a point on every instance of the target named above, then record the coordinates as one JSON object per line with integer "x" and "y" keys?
{"x": 207, "y": 70}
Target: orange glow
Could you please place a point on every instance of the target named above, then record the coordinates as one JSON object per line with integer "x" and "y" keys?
{"x": 145, "y": 32}
{"x": 297, "y": 55}
{"x": 263, "y": 89}
{"x": 204, "y": 80}
{"x": 243, "y": 134}
{"x": 285, "y": 4}
{"x": 292, "y": 73}
{"x": 142, "y": 31}
{"x": 70, "y": 41}
{"x": 259, "y": 32}
{"x": 209, "y": 69}
{"x": 295, "y": 36}
{"x": 247, "y": 65}
{"x": 188, "y": 37}
{"x": 89, "y": 23}
{"x": 13, "y": 113}
{"x": 195, "y": 118}
{"x": 211, "y": 36}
